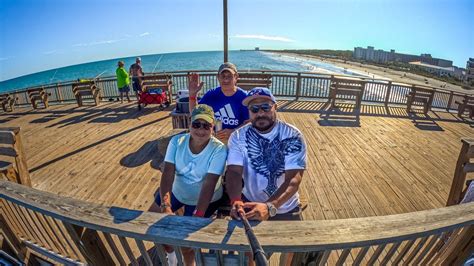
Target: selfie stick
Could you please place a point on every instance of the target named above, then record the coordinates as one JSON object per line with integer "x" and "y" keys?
{"x": 258, "y": 253}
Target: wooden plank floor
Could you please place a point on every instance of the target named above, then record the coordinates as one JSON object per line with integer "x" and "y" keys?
{"x": 384, "y": 163}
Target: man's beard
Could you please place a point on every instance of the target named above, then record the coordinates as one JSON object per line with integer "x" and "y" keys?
{"x": 265, "y": 127}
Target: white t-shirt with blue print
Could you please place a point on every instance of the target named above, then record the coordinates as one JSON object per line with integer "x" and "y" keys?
{"x": 191, "y": 169}
{"x": 265, "y": 157}
{"x": 228, "y": 109}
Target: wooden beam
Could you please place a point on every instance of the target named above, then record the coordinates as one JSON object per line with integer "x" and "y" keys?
{"x": 226, "y": 47}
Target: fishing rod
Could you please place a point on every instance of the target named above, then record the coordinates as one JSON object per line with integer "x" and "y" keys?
{"x": 159, "y": 59}
{"x": 258, "y": 253}
{"x": 100, "y": 74}
{"x": 54, "y": 75}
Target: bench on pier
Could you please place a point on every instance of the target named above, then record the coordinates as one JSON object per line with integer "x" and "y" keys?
{"x": 8, "y": 102}
{"x": 248, "y": 81}
{"x": 346, "y": 87}
{"x": 12, "y": 157}
{"x": 467, "y": 104}
{"x": 38, "y": 95}
{"x": 421, "y": 97}
{"x": 86, "y": 88}
{"x": 463, "y": 167}
{"x": 162, "y": 81}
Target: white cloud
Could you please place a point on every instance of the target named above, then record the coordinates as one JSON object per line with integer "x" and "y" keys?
{"x": 263, "y": 37}
{"x": 5, "y": 58}
{"x": 50, "y": 52}
{"x": 97, "y": 43}
{"x": 144, "y": 34}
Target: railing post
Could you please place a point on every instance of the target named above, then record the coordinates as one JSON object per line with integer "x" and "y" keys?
{"x": 59, "y": 94}
{"x": 451, "y": 95}
{"x": 389, "y": 90}
{"x": 298, "y": 86}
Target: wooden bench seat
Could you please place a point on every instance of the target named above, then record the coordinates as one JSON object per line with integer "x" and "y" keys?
{"x": 12, "y": 159}
{"x": 248, "y": 81}
{"x": 342, "y": 86}
{"x": 467, "y": 104}
{"x": 38, "y": 95}
{"x": 8, "y": 102}
{"x": 420, "y": 96}
{"x": 87, "y": 88}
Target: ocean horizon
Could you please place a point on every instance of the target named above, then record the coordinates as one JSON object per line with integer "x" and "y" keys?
{"x": 168, "y": 62}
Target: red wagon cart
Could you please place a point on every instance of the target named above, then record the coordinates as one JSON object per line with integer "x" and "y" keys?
{"x": 156, "y": 89}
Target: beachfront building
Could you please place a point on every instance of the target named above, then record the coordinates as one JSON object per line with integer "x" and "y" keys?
{"x": 469, "y": 77}
{"x": 381, "y": 56}
{"x": 452, "y": 71}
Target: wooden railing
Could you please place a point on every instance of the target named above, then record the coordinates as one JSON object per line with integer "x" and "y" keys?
{"x": 283, "y": 84}
{"x": 71, "y": 231}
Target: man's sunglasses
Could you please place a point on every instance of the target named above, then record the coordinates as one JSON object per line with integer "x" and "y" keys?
{"x": 255, "y": 108}
{"x": 197, "y": 125}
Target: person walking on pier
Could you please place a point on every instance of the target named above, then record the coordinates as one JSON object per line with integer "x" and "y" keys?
{"x": 269, "y": 157}
{"x": 225, "y": 100}
{"x": 136, "y": 72}
{"x": 123, "y": 81}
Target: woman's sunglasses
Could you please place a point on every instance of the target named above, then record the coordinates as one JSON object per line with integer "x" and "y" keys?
{"x": 197, "y": 125}
{"x": 266, "y": 107}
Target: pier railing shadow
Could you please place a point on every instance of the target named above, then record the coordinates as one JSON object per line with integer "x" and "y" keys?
{"x": 104, "y": 113}
{"x": 95, "y": 144}
{"x": 344, "y": 116}
{"x": 153, "y": 151}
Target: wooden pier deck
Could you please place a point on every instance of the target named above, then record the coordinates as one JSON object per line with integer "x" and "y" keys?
{"x": 386, "y": 162}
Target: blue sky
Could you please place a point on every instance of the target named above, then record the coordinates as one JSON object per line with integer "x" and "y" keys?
{"x": 37, "y": 35}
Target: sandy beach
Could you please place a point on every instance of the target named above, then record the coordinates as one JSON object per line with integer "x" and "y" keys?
{"x": 386, "y": 73}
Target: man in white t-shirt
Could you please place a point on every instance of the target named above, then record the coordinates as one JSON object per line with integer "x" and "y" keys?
{"x": 269, "y": 157}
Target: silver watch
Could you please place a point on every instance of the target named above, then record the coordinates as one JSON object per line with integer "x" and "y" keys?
{"x": 272, "y": 210}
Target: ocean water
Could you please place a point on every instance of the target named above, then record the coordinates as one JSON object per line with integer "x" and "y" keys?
{"x": 244, "y": 60}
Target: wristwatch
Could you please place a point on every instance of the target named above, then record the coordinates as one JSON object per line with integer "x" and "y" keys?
{"x": 272, "y": 210}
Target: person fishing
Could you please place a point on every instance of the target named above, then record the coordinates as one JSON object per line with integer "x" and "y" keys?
{"x": 136, "y": 72}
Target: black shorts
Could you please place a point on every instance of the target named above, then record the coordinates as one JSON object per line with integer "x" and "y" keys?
{"x": 136, "y": 84}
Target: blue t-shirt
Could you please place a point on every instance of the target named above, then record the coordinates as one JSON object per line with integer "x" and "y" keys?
{"x": 228, "y": 109}
{"x": 191, "y": 169}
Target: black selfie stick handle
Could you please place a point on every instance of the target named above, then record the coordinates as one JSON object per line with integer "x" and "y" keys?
{"x": 258, "y": 253}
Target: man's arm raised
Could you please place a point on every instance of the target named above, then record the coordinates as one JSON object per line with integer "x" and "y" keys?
{"x": 194, "y": 86}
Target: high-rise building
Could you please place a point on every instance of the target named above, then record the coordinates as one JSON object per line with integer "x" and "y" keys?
{"x": 469, "y": 78}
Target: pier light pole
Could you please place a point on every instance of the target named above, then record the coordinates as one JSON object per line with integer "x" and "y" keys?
{"x": 226, "y": 52}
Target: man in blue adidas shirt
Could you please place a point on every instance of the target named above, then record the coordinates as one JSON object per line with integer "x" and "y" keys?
{"x": 225, "y": 100}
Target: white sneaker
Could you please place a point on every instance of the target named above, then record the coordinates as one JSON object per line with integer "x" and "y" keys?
{"x": 172, "y": 260}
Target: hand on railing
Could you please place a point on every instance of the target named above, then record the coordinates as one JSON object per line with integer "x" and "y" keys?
{"x": 194, "y": 84}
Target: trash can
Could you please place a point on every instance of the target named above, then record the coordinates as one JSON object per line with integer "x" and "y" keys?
{"x": 182, "y": 105}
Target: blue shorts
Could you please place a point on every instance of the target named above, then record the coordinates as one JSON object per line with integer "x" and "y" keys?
{"x": 125, "y": 88}
{"x": 189, "y": 209}
{"x": 136, "y": 84}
